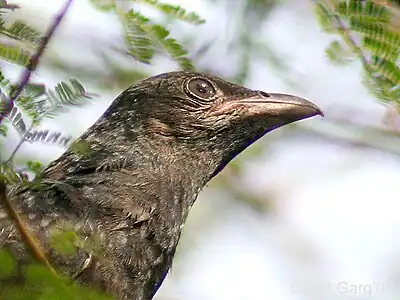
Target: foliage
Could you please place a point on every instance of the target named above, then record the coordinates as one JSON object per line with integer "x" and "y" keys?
{"x": 367, "y": 34}
{"x": 24, "y": 35}
{"x": 144, "y": 38}
{"x": 40, "y": 283}
{"x": 141, "y": 36}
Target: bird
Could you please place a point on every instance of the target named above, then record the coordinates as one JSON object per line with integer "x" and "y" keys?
{"x": 149, "y": 155}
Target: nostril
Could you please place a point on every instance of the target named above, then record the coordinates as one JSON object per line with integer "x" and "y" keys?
{"x": 264, "y": 94}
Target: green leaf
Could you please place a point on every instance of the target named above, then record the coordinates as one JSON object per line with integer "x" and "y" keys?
{"x": 14, "y": 54}
{"x": 338, "y": 55}
{"x": 39, "y": 283}
{"x": 381, "y": 49}
{"x": 172, "y": 47}
{"x": 28, "y": 101}
{"x": 22, "y": 32}
{"x": 104, "y": 5}
{"x": 325, "y": 18}
{"x": 7, "y": 264}
{"x": 377, "y": 32}
{"x": 65, "y": 242}
{"x": 390, "y": 71}
{"x": 4, "y": 82}
{"x": 66, "y": 95}
{"x": 35, "y": 166}
{"x": 17, "y": 120}
{"x": 28, "y": 106}
{"x": 381, "y": 88}
{"x": 142, "y": 35}
{"x": 81, "y": 147}
{"x": 176, "y": 12}
{"x": 35, "y": 89}
{"x": 367, "y": 10}
{"x": 8, "y": 174}
{"x": 139, "y": 42}
{"x": 3, "y": 130}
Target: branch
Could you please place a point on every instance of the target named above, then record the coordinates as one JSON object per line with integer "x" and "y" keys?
{"x": 34, "y": 61}
{"x": 27, "y": 237}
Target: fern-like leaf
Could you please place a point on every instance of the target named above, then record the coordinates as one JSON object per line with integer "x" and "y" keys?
{"x": 142, "y": 35}
{"x": 34, "y": 166}
{"x": 46, "y": 136}
{"x": 381, "y": 49}
{"x": 139, "y": 42}
{"x": 104, "y": 5}
{"x": 21, "y": 32}
{"x": 338, "y": 55}
{"x": 325, "y": 18}
{"x": 17, "y": 120}
{"x": 27, "y": 101}
{"x": 4, "y": 82}
{"x": 381, "y": 88}
{"x": 8, "y": 174}
{"x": 171, "y": 46}
{"x": 376, "y": 31}
{"x": 367, "y": 10}
{"x": 176, "y": 12}
{"x": 3, "y": 129}
{"x": 38, "y": 103}
{"x": 5, "y": 102}
{"x": 388, "y": 70}
{"x": 64, "y": 95}
{"x": 14, "y": 54}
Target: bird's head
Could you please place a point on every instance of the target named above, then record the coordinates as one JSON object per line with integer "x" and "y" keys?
{"x": 206, "y": 114}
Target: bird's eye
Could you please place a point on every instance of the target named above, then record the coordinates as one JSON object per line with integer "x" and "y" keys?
{"x": 201, "y": 88}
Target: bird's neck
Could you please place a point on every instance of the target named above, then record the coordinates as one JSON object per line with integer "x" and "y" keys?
{"x": 171, "y": 173}
{"x": 177, "y": 175}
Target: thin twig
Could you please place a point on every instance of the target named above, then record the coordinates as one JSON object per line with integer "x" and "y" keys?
{"x": 35, "y": 59}
{"x": 21, "y": 141}
{"x": 27, "y": 237}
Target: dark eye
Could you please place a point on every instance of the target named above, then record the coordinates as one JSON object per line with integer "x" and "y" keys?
{"x": 201, "y": 88}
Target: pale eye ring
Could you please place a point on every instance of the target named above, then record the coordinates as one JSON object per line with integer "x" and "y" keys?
{"x": 200, "y": 88}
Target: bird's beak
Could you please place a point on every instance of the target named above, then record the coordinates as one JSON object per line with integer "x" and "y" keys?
{"x": 258, "y": 113}
{"x": 287, "y": 108}
{"x": 281, "y": 105}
